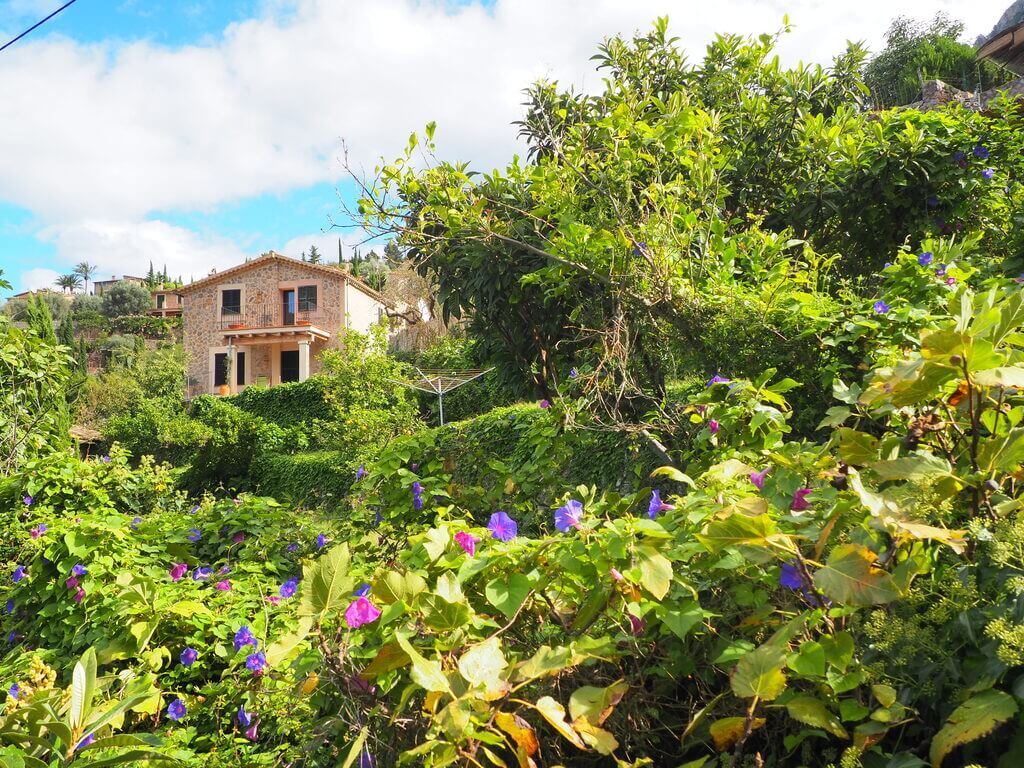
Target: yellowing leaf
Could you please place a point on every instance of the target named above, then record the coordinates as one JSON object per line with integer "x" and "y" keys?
{"x": 425, "y": 673}
{"x": 598, "y": 738}
{"x": 759, "y": 673}
{"x": 520, "y": 731}
{"x": 310, "y": 683}
{"x": 727, "y": 731}
{"x": 975, "y": 718}
{"x": 554, "y": 713}
{"x": 389, "y": 657}
{"x": 596, "y": 704}
{"x": 813, "y": 712}
{"x": 851, "y": 578}
{"x": 285, "y": 645}
{"x": 655, "y": 571}
{"x": 483, "y": 664}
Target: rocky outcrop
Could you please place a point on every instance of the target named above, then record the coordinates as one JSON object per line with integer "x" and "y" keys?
{"x": 936, "y": 93}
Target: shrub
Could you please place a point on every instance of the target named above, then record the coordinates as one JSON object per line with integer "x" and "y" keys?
{"x": 125, "y": 298}
{"x": 287, "y": 404}
{"x": 86, "y": 305}
{"x": 146, "y": 325}
{"x": 474, "y": 399}
{"x": 316, "y": 477}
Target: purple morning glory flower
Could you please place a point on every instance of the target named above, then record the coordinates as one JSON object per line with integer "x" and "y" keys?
{"x": 361, "y": 472}
{"x": 203, "y": 572}
{"x": 289, "y": 587}
{"x": 568, "y": 516}
{"x": 78, "y": 570}
{"x": 925, "y": 258}
{"x": 881, "y": 307}
{"x": 38, "y": 531}
{"x": 656, "y": 505}
{"x": 194, "y": 509}
{"x": 14, "y": 690}
{"x": 28, "y": 500}
{"x": 363, "y": 591}
{"x": 189, "y": 656}
{"x": 176, "y": 710}
{"x": 502, "y": 527}
{"x": 573, "y": 373}
{"x": 981, "y": 152}
{"x": 987, "y": 174}
{"x": 717, "y": 380}
{"x": 244, "y": 637}
{"x": 932, "y": 201}
{"x": 12, "y": 636}
{"x": 10, "y": 606}
{"x": 366, "y": 760}
{"x": 959, "y": 156}
{"x": 255, "y": 662}
{"x": 790, "y": 577}
{"x": 545, "y": 404}
{"x": 244, "y": 718}
{"x": 378, "y": 518}
{"x": 105, "y": 459}
{"x": 757, "y": 478}
{"x": 293, "y": 547}
{"x": 417, "y": 495}
{"x": 639, "y": 248}
{"x": 887, "y": 265}
{"x": 135, "y": 523}
{"x": 194, "y": 534}
{"x": 714, "y": 426}
{"x": 321, "y": 541}
{"x": 800, "y": 503}
{"x": 19, "y": 574}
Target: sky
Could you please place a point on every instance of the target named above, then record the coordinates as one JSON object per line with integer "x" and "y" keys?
{"x": 195, "y": 133}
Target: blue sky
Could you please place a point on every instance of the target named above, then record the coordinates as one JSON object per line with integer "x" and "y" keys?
{"x": 197, "y": 132}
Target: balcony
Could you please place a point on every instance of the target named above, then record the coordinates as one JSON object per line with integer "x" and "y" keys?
{"x": 269, "y": 316}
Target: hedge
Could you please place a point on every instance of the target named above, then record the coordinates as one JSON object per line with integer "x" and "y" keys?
{"x": 287, "y": 404}
{"x": 315, "y": 477}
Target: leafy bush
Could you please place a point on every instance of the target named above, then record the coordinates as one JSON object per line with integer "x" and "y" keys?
{"x": 316, "y": 477}
{"x": 288, "y": 404}
{"x": 145, "y": 325}
{"x": 124, "y": 298}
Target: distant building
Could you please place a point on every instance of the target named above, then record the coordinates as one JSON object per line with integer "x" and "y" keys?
{"x": 166, "y": 302}
{"x": 99, "y": 286}
{"x": 267, "y": 321}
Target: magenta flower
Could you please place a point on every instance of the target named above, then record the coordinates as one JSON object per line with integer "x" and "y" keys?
{"x": 614, "y": 573}
{"x": 502, "y": 527}
{"x": 636, "y": 626}
{"x": 950, "y": 281}
{"x": 189, "y": 656}
{"x": 38, "y": 531}
{"x": 757, "y": 478}
{"x": 714, "y": 426}
{"x": 545, "y": 404}
{"x": 467, "y": 541}
{"x": 656, "y": 506}
{"x": 361, "y": 612}
{"x": 568, "y": 516}
{"x": 177, "y": 571}
{"x": 176, "y": 710}
{"x": 71, "y": 583}
{"x": 252, "y": 732}
{"x": 238, "y": 538}
{"x": 273, "y": 599}
{"x": 223, "y": 586}
{"x": 800, "y": 502}
{"x": 79, "y": 595}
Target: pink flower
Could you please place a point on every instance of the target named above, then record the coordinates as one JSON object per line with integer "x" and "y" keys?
{"x": 177, "y": 571}
{"x": 79, "y": 595}
{"x": 614, "y": 573}
{"x": 467, "y": 541}
{"x": 714, "y": 426}
{"x": 71, "y": 583}
{"x": 800, "y": 502}
{"x": 273, "y": 599}
{"x": 360, "y": 612}
{"x": 545, "y": 404}
{"x": 223, "y": 586}
{"x": 636, "y": 626}
{"x": 238, "y": 538}
{"x": 757, "y": 478}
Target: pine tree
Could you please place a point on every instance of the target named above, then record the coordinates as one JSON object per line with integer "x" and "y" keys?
{"x": 392, "y": 253}
{"x": 303, "y": 257}
{"x": 314, "y": 255}
{"x": 39, "y": 319}
{"x": 66, "y": 332}
{"x": 341, "y": 257}
{"x": 151, "y": 276}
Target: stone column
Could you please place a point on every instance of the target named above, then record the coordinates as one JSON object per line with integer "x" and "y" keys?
{"x": 232, "y": 359}
{"x": 304, "y": 360}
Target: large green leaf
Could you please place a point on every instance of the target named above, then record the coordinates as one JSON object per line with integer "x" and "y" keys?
{"x": 813, "y": 712}
{"x": 655, "y": 571}
{"x": 920, "y": 467}
{"x": 507, "y": 594}
{"x": 1005, "y": 376}
{"x": 975, "y": 718}
{"x": 425, "y": 673}
{"x": 851, "y": 578}
{"x": 759, "y": 673}
{"x": 83, "y": 687}
{"x": 743, "y": 530}
{"x": 286, "y": 644}
{"x": 327, "y": 585}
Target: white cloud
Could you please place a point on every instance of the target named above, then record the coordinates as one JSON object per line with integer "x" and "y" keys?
{"x": 107, "y": 134}
{"x": 39, "y": 277}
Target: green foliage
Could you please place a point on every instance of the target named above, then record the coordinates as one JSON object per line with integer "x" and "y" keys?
{"x": 124, "y": 298}
{"x": 314, "y": 477}
{"x": 454, "y": 351}
{"x": 916, "y": 51}
{"x": 146, "y": 325}
{"x": 18, "y": 309}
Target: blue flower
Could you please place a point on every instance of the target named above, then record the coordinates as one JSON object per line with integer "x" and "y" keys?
{"x": 189, "y": 656}
{"x": 987, "y": 174}
{"x": 176, "y": 710}
{"x": 244, "y": 718}
{"x": 981, "y": 152}
{"x": 361, "y": 472}
{"x": 502, "y": 527}
{"x": 194, "y": 534}
{"x": 198, "y": 574}
{"x": 135, "y": 523}
{"x": 255, "y": 662}
{"x": 790, "y": 577}
{"x": 366, "y": 760}
{"x": 717, "y": 380}
{"x": 19, "y": 574}
{"x": 887, "y": 265}
{"x": 14, "y": 691}
{"x": 28, "y": 500}
{"x": 959, "y": 156}
{"x": 568, "y": 516}
{"x": 194, "y": 509}
{"x": 932, "y": 201}
{"x": 417, "y": 495}
{"x": 656, "y": 505}
{"x": 90, "y": 738}
{"x": 244, "y": 637}
{"x": 321, "y": 541}
{"x": 293, "y": 547}
{"x": 78, "y": 570}
{"x": 12, "y": 636}
{"x": 289, "y": 587}
{"x": 925, "y": 258}
{"x": 881, "y": 307}
{"x": 363, "y": 591}
{"x": 573, "y": 373}
{"x": 10, "y": 606}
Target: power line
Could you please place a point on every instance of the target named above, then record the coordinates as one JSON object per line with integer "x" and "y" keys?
{"x": 37, "y": 25}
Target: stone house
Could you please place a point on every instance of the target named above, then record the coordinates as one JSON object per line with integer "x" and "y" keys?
{"x": 100, "y": 286}
{"x": 267, "y": 321}
{"x": 166, "y": 302}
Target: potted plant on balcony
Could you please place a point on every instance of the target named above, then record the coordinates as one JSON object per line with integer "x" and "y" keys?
{"x": 236, "y": 326}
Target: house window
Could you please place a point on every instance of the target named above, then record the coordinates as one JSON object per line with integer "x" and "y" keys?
{"x": 231, "y": 301}
{"x": 240, "y": 368}
{"x": 160, "y": 299}
{"x": 220, "y": 369}
{"x": 307, "y": 298}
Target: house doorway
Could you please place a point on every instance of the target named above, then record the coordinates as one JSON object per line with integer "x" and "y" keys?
{"x": 288, "y": 311}
{"x": 289, "y": 365}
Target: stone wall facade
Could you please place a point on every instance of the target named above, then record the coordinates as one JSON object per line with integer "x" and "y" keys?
{"x": 261, "y": 283}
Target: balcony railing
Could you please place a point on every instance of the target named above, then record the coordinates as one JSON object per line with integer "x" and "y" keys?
{"x": 268, "y": 316}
